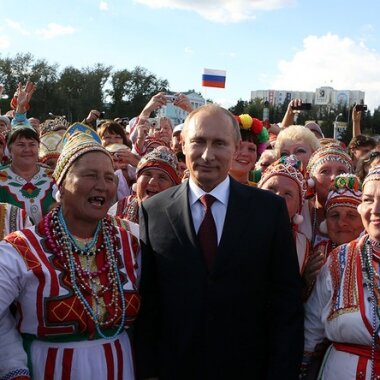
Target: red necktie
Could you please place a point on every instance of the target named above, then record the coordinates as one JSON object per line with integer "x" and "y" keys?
{"x": 207, "y": 235}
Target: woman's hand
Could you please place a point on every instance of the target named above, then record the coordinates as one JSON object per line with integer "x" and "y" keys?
{"x": 183, "y": 102}
{"x": 156, "y": 102}
{"x": 313, "y": 266}
{"x": 124, "y": 157}
{"x": 24, "y": 94}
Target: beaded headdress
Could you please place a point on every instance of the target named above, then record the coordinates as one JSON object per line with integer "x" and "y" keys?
{"x": 160, "y": 158}
{"x": 330, "y": 152}
{"x": 345, "y": 190}
{"x": 373, "y": 175}
{"x": 49, "y": 125}
{"x": 51, "y": 145}
{"x": 287, "y": 166}
{"x": 78, "y": 140}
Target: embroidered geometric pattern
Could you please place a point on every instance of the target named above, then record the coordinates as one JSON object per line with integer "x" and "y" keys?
{"x": 15, "y": 373}
{"x": 344, "y": 277}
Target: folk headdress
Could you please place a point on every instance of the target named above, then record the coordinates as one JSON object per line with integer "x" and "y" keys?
{"x": 373, "y": 175}
{"x": 51, "y": 144}
{"x": 330, "y": 152}
{"x": 78, "y": 140}
{"x": 56, "y": 124}
{"x": 160, "y": 158}
{"x": 290, "y": 167}
{"x": 345, "y": 191}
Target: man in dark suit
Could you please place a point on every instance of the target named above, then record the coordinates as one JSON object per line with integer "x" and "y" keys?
{"x": 234, "y": 314}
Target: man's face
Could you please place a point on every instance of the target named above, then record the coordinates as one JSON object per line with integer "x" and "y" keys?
{"x": 209, "y": 146}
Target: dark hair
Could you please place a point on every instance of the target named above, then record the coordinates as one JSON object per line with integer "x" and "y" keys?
{"x": 28, "y": 133}
{"x": 360, "y": 141}
{"x": 364, "y": 163}
{"x": 247, "y": 135}
{"x": 114, "y": 128}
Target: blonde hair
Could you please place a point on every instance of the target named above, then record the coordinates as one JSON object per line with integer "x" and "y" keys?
{"x": 296, "y": 133}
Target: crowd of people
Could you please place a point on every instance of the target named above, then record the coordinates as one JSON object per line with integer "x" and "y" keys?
{"x": 221, "y": 248}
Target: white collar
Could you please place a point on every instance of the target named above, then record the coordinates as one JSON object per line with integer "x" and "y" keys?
{"x": 220, "y": 192}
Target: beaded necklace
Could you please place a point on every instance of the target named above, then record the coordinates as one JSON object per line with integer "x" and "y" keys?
{"x": 84, "y": 280}
{"x": 88, "y": 250}
{"x": 371, "y": 281}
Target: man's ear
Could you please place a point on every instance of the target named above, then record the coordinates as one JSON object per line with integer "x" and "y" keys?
{"x": 237, "y": 146}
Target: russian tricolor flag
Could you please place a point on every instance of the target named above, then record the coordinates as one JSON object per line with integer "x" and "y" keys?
{"x": 213, "y": 78}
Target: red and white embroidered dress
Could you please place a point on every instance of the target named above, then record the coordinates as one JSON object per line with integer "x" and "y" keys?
{"x": 339, "y": 309}
{"x": 51, "y": 321}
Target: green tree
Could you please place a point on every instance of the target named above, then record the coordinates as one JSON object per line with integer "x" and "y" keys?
{"x": 131, "y": 90}
{"x": 239, "y": 108}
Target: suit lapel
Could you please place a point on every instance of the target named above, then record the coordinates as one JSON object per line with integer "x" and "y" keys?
{"x": 180, "y": 218}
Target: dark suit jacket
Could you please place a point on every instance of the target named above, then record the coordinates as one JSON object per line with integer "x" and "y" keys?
{"x": 242, "y": 321}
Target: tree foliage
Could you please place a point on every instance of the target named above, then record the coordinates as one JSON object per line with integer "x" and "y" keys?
{"x": 74, "y": 92}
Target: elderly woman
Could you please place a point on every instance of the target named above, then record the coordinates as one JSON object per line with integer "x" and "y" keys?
{"x": 156, "y": 172}
{"x": 342, "y": 224}
{"x": 324, "y": 165}
{"x": 72, "y": 278}
{"x": 284, "y": 178}
{"x": 344, "y": 305}
{"x": 296, "y": 140}
{"x": 24, "y": 182}
{"x": 252, "y": 134}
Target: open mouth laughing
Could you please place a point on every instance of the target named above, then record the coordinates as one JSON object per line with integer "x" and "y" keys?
{"x": 97, "y": 201}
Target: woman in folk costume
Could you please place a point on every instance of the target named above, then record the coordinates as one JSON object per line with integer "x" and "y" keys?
{"x": 284, "y": 177}
{"x": 156, "y": 172}
{"x": 324, "y": 165}
{"x": 253, "y": 138}
{"x": 342, "y": 224}
{"x": 344, "y": 305}
{"x": 12, "y": 218}
{"x": 72, "y": 278}
{"x": 25, "y": 182}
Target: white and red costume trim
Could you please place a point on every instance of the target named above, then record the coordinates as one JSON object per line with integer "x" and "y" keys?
{"x": 49, "y": 311}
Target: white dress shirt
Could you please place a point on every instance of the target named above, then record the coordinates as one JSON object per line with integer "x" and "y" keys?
{"x": 218, "y": 208}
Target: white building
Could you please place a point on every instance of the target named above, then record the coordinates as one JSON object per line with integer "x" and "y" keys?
{"x": 322, "y": 96}
{"x": 178, "y": 115}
